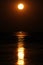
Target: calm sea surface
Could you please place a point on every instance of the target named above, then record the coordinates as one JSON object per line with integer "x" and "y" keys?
{"x": 21, "y": 53}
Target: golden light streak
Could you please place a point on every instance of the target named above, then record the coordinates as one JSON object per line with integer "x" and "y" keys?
{"x": 21, "y": 35}
{"x": 20, "y": 54}
{"x": 20, "y": 62}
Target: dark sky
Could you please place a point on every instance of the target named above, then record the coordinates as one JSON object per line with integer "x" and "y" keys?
{"x": 31, "y": 19}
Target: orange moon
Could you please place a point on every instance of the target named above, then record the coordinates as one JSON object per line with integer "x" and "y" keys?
{"x": 20, "y": 6}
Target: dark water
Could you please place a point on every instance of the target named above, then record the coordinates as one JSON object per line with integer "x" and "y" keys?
{"x": 20, "y": 52}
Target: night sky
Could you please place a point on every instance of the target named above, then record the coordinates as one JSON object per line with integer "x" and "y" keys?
{"x": 30, "y": 19}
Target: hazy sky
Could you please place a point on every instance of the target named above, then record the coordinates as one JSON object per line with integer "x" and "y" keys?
{"x": 30, "y": 19}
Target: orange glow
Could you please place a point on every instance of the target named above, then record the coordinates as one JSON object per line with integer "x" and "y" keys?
{"x": 20, "y": 6}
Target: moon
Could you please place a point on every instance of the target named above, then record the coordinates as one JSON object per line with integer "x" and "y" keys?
{"x": 20, "y": 6}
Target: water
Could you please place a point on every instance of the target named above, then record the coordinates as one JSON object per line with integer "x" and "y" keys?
{"x": 21, "y": 53}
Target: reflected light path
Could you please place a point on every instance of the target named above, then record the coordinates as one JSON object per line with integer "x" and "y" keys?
{"x": 20, "y": 53}
{"x": 20, "y": 49}
{"x": 21, "y": 35}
